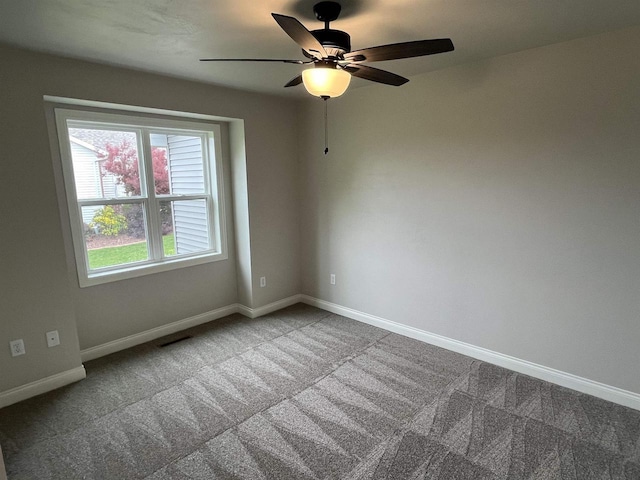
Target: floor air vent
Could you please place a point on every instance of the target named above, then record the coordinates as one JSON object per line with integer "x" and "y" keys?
{"x": 175, "y": 341}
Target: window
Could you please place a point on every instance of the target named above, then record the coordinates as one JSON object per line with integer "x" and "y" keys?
{"x": 144, "y": 193}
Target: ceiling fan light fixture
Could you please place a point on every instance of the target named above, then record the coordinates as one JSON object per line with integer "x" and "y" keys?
{"x": 326, "y": 81}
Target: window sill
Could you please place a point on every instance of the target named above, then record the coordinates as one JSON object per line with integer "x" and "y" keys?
{"x": 140, "y": 270}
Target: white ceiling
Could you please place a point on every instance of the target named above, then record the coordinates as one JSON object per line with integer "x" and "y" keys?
{"x": 169, "y": 36}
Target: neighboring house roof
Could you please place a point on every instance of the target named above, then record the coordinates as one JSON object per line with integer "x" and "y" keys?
{"x": 96, "y": 150}
{"x": 97, "y": 139}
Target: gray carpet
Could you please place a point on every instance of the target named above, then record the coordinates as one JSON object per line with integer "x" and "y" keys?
{"x": 304, "y": 394}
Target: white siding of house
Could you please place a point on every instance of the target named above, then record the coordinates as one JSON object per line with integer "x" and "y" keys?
{"x": 110, "y": 188}
{"x": 86, "y": 171}
{"x": 87, "y": 177}
{"x": 187, "y": 177}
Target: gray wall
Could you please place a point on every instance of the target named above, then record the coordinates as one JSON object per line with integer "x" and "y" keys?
{"x": 496, "y": 203}
{"x": 39, "y": 287}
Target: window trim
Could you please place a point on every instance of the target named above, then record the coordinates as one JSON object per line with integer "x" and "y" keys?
{"x": 141, "y": 122}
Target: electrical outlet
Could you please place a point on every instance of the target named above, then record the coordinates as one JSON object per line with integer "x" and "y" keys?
{"x": 17, "y": 347}
{"x": 263, "y": 281}
{"x": 53, "y": 338}
{"x": 332, "y": 279}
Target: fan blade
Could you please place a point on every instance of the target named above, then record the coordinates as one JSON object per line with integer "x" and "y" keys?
{"x": 300, "y": 35}
{"x": 401, "y": 50}
{"x": 297, "y": 62}
{"x": 376, "y": 75}
{"x": 297, "y": 80}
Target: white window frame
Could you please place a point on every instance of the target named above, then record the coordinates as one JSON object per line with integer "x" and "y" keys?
{"x": 143, "y": 125}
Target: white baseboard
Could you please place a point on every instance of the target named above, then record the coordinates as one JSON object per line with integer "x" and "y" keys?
{"x": 597, "y": 389}
{"x": 574, "y": 382}
{"x": 272, "y": 307}
{"x": 41, "y": 386}
{"x": 58, "y": 380}
{"x": 148, "y": 335}
{"x": 3, "y": 471}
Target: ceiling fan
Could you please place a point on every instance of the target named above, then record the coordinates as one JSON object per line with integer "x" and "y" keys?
{"x": 333, "y": 61}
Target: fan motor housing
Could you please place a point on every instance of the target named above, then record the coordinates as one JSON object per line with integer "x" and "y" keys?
{"x": 335, "y": 42}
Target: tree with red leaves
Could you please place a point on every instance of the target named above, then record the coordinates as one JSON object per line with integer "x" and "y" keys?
{"x": 122, "y": 161}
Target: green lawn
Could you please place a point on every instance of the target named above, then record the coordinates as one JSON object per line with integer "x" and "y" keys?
{"x": 109, "y": 256}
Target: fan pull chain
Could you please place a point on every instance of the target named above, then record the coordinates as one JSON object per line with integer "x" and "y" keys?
{"x": 326, "y": 127}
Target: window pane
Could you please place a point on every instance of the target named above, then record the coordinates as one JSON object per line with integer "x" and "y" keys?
{"x": 177, "y": 164}
{"x": 114, "y": 234}
{"x": 142, "y": 192}
{"x": 185, "y": 228}
{"x": 105, "y": 163}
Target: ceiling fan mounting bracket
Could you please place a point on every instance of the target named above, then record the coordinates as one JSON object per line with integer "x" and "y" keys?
{"x": 336, "y": 42}
{"x": 327, "y": 11}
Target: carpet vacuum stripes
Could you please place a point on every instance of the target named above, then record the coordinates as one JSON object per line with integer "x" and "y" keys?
{"x": 305, "y": 394}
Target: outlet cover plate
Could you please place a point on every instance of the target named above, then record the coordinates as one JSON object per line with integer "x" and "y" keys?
{"x": 53, "y": 339}
{"x": 17, "y": 347}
